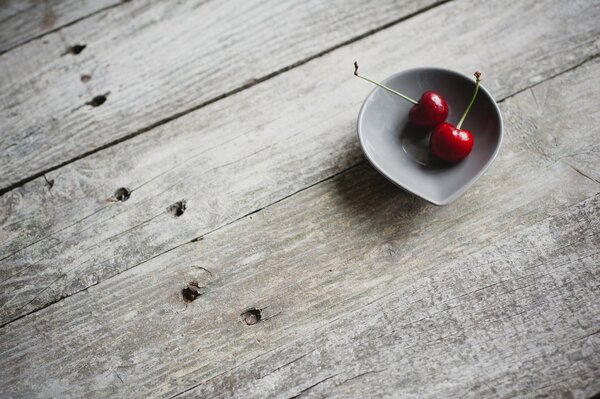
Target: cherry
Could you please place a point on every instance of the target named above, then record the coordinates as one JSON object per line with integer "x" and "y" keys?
{"x": 451, "y": 143}
{"x": 430, "y": 111}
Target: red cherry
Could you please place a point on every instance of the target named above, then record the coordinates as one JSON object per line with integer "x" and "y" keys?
{"x": 450, "y": 143}
{"x": 430, "y": 111}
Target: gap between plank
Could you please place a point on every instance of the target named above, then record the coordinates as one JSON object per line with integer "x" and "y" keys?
{"x": 259, "y": 80}
{"x": 571, "y": 68}
{"x": 192, "y": 240}
{"x": 73, "y": 22}
{"x": 585, "y": 61}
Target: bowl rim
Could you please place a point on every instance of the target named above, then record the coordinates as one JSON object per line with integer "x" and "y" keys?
{"x": 463, "y": 189}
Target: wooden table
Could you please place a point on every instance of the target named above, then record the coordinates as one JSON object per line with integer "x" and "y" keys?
{"x": 186, "y": 211}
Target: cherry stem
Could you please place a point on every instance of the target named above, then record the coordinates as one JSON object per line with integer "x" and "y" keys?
{"x": 462, "y": 118}
{"x": 382, "y": 86}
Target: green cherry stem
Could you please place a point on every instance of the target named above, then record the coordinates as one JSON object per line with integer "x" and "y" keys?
{"x": 382, "y": 86}
{"x": 462, "y": 118}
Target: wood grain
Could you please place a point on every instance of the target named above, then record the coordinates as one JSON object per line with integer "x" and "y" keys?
{"x": 519, "y": 318}
{"x": 22, "y": 21}
{"x": 61, "y": 240}
{"x": 153, "y": 61}
{"x": 495, "y": 294}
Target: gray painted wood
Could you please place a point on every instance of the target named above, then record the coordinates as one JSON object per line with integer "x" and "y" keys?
{"x": 519, "y": 318}
{"x": 364, "y": 289}
{"x": 63, "y": 239}
{"x": 21, "y": 21}
{"x": 157, "y": 60}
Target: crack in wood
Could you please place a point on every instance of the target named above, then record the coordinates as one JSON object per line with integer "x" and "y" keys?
{"x": 362, "y": 375}
{"x": 287, "y": 364}
{"x": 584, "y": 174}
{"x": 223, "y": 373}
{"x": 305, "y": 390}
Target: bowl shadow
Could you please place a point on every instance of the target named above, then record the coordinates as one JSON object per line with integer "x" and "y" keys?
{"x": 369, "y": 201}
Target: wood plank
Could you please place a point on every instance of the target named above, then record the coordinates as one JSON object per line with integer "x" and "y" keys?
{"x": 68, "y": 238}
{"x": 351, "y": 241}
{"x": 157, "y": 60}
{"x": 519, "y": 318}
{"x": 22, "y": 21}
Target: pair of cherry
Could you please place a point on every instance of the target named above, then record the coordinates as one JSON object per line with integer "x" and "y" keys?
{"x": 448, "y": 142}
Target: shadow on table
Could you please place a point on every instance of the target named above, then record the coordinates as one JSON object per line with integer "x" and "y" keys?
{"x": 367, "y": 200}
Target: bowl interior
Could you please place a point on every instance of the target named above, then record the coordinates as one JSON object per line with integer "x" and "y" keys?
{"x": 400, "y": 151}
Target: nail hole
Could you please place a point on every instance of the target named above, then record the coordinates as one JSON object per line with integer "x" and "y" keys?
{"x": 177, "y": 208}
{"x": 191, "y": 292}
{"x": 97, "y": 101}
{"x": 75, "y": 49}
{"x": 251, "y": 316}
{"x": 49, "y": 182}
{"x": 86, "y": 78}
{"x": 122, "y": 194}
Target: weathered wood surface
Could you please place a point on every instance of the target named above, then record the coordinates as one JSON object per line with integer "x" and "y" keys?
{"x": 363, "y": 288}
{"x": 23, "y": 21}
{"x": 519, "y": 318}
{"x": 158, "y": 60}
{"x": 63, "y": 239}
